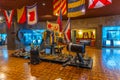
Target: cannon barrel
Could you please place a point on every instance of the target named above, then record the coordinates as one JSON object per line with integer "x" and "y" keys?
{"x": 78, "y": 48}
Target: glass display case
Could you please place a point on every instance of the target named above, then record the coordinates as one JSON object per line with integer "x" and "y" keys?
{"x": 111, "y": 36}
{"x": 28, "y": 36}
{"x": 3, "y": 38}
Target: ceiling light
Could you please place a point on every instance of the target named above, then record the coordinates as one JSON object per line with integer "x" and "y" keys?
{"x": 79, "y": 32}
{"x": 56, "y": 14}
{"x": 43, "y": 4}
{"x": 83, "y": 10}
{"x": 1, "y": 17}
{"x": 47, "y": 16}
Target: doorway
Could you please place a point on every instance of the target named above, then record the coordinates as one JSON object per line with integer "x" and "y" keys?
{"x": 86, "y": 36}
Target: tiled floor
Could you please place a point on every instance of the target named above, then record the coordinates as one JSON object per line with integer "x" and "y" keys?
{"x": 106, "y": 66}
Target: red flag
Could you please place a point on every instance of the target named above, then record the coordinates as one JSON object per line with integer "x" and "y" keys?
{"x": 67, "y": 31}
{"x": 98, "y": 3}
{"x": 32, "y": 14}
{"x": 59, "y": 20}
{"x": 8, "y": 16}
{"x": 53, "y": 26}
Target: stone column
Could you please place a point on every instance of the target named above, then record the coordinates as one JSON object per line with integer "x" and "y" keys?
{"x": 11, "y": 38}
{"x": 99, "y": 37}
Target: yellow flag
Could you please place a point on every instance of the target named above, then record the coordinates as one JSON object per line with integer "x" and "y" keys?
{"x": 21, "y": 15}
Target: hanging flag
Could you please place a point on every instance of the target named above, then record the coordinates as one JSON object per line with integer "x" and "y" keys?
{"x": 32, "y": 14}
{"x": 8, "y": 16}
{"x": 59, "y": 20}
{"x": 98, "y": 3}
{"x": 57, "y": 5}
{"x": 52, "y": 26}
{"x": 67, "y": 31}
{"x": 76, "y": 8}
{"x": 21, "y": 15}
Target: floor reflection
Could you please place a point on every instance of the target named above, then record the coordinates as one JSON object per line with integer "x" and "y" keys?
{"x": 28, "y": 72}
{"x": 4, "y": 53}
{"x": 111, "y": 58}
{"x": 2, "y": 76}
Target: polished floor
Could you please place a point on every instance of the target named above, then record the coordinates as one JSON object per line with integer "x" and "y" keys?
{"x": 106, "y": 66}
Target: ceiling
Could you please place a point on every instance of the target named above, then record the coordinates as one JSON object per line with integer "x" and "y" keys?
{"x": 45, "y": 8}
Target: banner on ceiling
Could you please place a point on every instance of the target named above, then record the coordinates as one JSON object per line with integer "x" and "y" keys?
{"x": 8, "y": 16}
{"x": 32, "y": 14}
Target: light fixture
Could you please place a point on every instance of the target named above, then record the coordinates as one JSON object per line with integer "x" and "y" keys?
{"x": 56, "y": 14}
{"x": 43, "y": 4}
{"x": 80, "y": 32}
{"x": 1, "y": 18}
{"x": 93, "y": 32}
{"x": 83, "y": 10}
{"x": 48, "y": 16}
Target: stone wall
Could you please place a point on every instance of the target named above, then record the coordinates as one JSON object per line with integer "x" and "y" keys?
{"x": 96, "y": 23}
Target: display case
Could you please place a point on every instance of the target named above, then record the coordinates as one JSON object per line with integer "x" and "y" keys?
{"x": 111, "y": 36}
{"x": 3, "y": 38}
{"x": 28, "y": 36}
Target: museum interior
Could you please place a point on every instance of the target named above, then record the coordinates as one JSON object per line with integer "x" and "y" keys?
{"x": 59, "y": 39}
